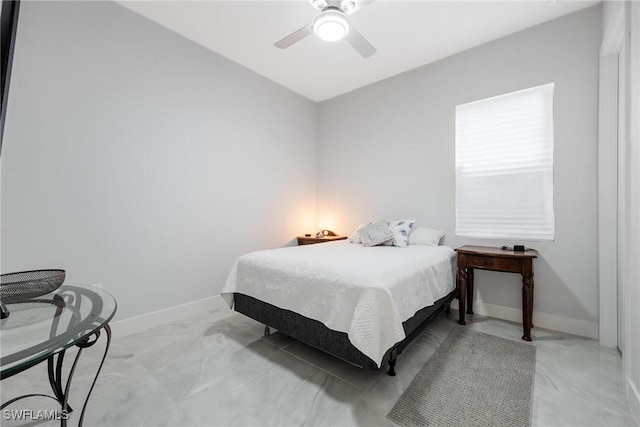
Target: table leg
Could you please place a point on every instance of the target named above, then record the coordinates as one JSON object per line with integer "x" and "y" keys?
{"x": 469, "y": 290}
{"x": 67, "y": 389}
{"x": 55, "y": 377}
{"x": 527, "y": 305}
{"x": 462, "y": 293}
{"x": 107, "y": 329}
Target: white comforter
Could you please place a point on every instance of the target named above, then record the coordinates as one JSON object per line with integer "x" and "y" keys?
{"x": 364, "y": 292}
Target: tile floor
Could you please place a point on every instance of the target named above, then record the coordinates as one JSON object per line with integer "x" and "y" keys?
{"x": 217, "y": 369}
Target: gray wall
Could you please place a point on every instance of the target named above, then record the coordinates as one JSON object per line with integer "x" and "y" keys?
{"x": 387, "y": 150}
{"x": 137, "y": 159}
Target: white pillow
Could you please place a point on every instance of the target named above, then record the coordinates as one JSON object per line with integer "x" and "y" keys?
{"x": 425, "y": 236}
{"x": 355, "y": 237}
{"x": 401, "y": 229}
{"x": 375, "y": 234}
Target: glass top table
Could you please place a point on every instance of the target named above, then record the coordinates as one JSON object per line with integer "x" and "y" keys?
{"x": 43, "y": 328}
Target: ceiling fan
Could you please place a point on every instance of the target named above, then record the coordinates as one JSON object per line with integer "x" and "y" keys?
{"x": 332, "y": 25}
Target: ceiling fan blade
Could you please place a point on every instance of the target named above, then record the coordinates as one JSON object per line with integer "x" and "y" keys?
{"x": 359, "y": 4}
{"x": 359, "y": 43}
{"x": 294, "y": 37}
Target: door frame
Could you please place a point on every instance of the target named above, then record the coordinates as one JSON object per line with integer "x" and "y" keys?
{"x": 613, "y": 44}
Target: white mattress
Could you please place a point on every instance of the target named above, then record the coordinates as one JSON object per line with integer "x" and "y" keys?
{"x": 364, "y": 292}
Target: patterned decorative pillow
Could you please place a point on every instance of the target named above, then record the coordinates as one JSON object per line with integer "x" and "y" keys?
{"x": 401, "y": 229}
{"x": 375, "y": 234}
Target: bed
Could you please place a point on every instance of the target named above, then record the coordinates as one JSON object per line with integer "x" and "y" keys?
{"x": 360, "y": 304}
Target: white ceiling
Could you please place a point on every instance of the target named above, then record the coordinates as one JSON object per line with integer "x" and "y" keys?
{"x": 407, "y": 34}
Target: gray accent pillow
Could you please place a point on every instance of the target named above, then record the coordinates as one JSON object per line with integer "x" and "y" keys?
{"x": 355, "y": 236}
{"x": 426, "y": 236}
{"x": 375, "y": 234}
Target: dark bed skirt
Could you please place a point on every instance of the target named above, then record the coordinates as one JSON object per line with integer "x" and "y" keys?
{"x": 316, "y": 334}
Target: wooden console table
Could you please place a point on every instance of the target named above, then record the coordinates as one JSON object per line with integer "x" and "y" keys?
{"x": 496, "y": 259}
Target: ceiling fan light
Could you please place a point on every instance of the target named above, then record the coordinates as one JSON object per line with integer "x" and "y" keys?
{"x": 330, "y": 26}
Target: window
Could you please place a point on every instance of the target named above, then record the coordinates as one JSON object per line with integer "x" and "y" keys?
{"x": 504, "y": 166}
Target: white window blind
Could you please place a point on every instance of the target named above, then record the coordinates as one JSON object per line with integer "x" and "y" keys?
{"x": 504, "y": 166}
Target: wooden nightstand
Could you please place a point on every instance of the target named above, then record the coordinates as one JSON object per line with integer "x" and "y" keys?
{"x": 496, "y": 259}
{"x": 303, "y": 240}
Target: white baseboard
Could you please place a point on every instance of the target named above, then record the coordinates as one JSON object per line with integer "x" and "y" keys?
{"x": 143, "y": 322}
{"x": 633, "y": 397}
{"x": 133, "y": 325}
{"x": 542, "y": 320}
